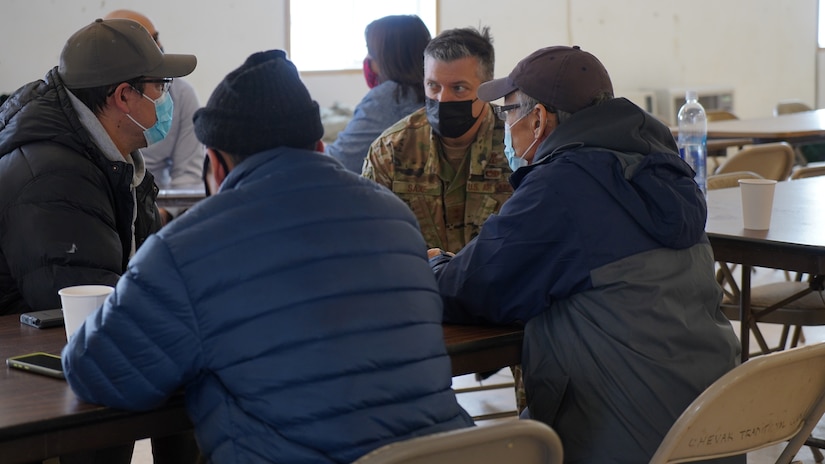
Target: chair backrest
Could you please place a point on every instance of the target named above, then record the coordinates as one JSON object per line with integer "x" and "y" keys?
{"x": 808, "y": 171}
{"x": 767, "y": 400}
{"x": 769, "y": 160}
{"x": 523, "y": 441}
{"x": 720, "y": 115}
{"x": 790, "y": 106}
{"x": 729, "y": 179}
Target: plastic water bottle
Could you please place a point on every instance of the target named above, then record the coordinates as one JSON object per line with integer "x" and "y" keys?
{"x": 693, "y": 137}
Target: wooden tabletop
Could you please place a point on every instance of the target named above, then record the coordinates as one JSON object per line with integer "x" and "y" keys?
{"x": 179, "y": 197}
{"x": 804, "y": 126}
{"x": 482, "y": 348}
{"x": 40, "y": 417}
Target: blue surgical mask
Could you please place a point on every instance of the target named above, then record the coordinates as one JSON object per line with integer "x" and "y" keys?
{"x": 514, "y": 160}
{"x": 164, "y": 107}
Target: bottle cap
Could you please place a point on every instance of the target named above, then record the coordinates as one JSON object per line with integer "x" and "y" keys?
{"x": 691, "y": 95}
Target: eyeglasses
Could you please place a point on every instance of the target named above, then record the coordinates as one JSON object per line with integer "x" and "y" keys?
{"x": 501, "y": 111}
{"x": 163, "y": 84}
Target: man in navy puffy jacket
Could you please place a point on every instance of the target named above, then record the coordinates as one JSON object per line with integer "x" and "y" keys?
{"x": 295, "y": 306}
{"x": 601, "y": 252}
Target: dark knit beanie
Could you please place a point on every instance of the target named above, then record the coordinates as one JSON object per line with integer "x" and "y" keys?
{"x": 261, "y": 105}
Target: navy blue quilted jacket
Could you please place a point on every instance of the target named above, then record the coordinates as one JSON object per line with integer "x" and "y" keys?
{"x": 296, "y": 308}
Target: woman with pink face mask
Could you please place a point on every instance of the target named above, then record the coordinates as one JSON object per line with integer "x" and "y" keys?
{"x": 394, "y": 72}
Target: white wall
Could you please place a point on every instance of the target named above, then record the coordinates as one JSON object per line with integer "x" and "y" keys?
{"x": 765, "y": 49}
{"x": 220, "y": 33}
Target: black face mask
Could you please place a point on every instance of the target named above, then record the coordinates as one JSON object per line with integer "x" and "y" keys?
{"x": 451, "y": 119}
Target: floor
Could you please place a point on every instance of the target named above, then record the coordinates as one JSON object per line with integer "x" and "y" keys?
{"x": 502, "y": 400}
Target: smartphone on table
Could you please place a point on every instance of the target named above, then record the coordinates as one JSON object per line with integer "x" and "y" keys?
{"x": 39, "y": 363}
{"x": 43, "y": 319}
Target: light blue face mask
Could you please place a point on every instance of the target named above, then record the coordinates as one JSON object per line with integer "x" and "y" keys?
{"x": 164, "y": 107}
{"x": 510, "y": 152}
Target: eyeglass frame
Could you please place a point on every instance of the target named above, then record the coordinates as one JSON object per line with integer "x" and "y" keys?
{"x": 501, "y": 111}
{"x": 166, "y": 83}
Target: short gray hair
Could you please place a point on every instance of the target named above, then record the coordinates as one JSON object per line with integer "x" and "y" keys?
{"x": 454, "y": 44}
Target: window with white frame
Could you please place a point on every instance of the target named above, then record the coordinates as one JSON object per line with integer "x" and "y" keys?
{"x": 328, "y": 35}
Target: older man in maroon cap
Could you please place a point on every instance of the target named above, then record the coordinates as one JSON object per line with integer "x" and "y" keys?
{"x": 601, "y": 253}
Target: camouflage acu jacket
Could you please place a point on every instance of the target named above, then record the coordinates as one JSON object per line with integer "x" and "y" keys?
{"x": 450, "y": 205}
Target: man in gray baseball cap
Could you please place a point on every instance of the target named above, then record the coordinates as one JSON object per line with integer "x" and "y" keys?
{"x": 75, "y": 198}
{"x": 601, "y": 253}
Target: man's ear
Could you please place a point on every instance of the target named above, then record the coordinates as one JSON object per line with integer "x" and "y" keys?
{"x": 545, "y": 124}
{"x": 218, "y": 163}
{"x": 121, "y": 97}
{"x": 319, "y": 146}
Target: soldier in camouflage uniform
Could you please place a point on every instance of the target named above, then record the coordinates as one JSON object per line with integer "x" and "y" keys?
{"x": 446, "y": 160}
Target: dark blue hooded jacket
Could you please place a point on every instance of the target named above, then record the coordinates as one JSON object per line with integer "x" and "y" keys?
{"x": 601, "y": 252}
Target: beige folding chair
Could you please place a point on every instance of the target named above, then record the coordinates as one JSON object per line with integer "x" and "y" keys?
{"x": 518, "y": 441}
{"x": 790, "y": 106}
{"x": 720, "y": 115}
{"x": 769, "y": 160}
{"x": 724, "y": 270}
{"x": 792, "y": 304}
{"x": 729, "y": 179}
{"x": 810, "y": 170}
{"x": 765, "y": 401}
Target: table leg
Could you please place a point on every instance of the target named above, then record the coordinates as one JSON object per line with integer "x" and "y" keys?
{"x": 745, "y": 311}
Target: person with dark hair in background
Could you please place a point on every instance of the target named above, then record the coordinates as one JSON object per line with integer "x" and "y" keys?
{"x": 76, "y": 200}
{"x": 253, "y": 304}
{"x": 394, "y": 70}
{"x": 601, "y": 252}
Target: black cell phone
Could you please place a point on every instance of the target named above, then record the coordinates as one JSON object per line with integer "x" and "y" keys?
{"x": 39, "y": 363}
{"x": 43, "y": 319}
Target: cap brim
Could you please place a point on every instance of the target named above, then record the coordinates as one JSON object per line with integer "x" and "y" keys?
{"x": 174, "y": 66}
{"x": 495, "y": 89}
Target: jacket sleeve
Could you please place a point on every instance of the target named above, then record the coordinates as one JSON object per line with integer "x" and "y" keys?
{"x": 352, "y": 143}
{"x": 378, "y": 163}
{"x": 142, "y": 345}
{"x": 524, "y": 257}
{"x": 58, "y": 233}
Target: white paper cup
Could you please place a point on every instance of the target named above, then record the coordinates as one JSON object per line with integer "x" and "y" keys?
{"x": 80, "y": 301}
{"x": 757, "y": 202}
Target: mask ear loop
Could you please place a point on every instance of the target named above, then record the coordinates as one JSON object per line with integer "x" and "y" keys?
{"x": 536, "y": 133}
